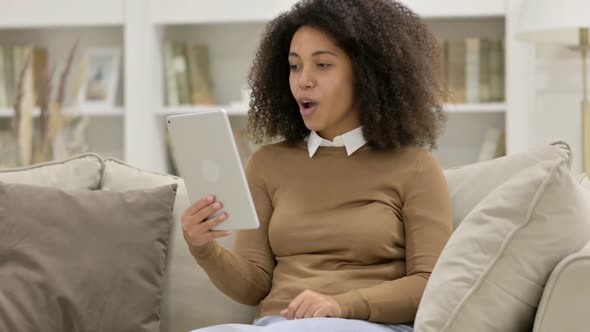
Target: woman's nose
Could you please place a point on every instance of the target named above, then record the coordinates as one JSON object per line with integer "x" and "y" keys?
{"x": 306, "y": 79}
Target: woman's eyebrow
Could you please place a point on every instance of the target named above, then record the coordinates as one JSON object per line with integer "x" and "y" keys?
{"x": 294, "y": 54}
{"x": 324, "y": 52}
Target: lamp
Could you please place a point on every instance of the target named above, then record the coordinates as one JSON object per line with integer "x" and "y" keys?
{"x": 564, "y": 22}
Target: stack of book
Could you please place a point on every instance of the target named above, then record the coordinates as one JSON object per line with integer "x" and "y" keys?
{"x": 186, "y": 74}
{"x": 12, "y": 60}
{"x": 474, "y": 70}
{"x": 494, "y": 144}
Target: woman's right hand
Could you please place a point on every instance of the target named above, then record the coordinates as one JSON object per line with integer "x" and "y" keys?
{"x": 197, "y": 222}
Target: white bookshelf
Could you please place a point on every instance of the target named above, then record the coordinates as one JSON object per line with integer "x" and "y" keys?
{"x": 458, "y": 8}
{"x": 231, "y": 11}
{"x": 231, "y": 110}
{"x": 219, "y": 11}
{"x": 60, "y": 13}
{"x": 232, "y": 30}
{"x": 57, "y": 35}
{"x": 94, "y": 113}
{"x": 58, "y": 42}
{"x": 7, "y": 113}
{"x": 485, "y": 108}
{"x": 116, "y": 112}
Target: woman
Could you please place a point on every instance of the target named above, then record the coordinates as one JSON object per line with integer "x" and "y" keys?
{"x": 354, "y": 211}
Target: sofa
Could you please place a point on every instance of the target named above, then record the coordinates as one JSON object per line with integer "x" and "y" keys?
{"x": 557, "y": 302}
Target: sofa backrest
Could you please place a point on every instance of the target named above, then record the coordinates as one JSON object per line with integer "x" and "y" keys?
{"x": 190, "y": 300}
{"x": 79, "y": 172}
{"x": 470, "y": 184}
{"x": 565, "y": 294}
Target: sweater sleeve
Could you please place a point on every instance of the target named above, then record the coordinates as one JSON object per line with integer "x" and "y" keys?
{"x": 426, "y": 214}
{"x": 245, "y": 273}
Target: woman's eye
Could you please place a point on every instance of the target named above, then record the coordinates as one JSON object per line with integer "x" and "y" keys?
{"x": 324, "y": 65}
{"x": 294, "y": 67}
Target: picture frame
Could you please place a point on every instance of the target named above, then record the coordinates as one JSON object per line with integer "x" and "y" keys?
{"x": 100, "y": 78}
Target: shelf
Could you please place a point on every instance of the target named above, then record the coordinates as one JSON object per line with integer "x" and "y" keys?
{"x": 219, "y": 11}
{"x": 457, "y": 8}
{"x": 185, "y": 109}
{"x": 243, "y": 110}
{"x": 484, "y": 108}
{"x": 90, "y": 112}
{"x": 60, "y": 13}
{"x": 97, "y": 112}
{"x": 235, "y": 11}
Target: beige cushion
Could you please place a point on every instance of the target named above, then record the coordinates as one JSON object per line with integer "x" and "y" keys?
{"x": 190, "y": 298}
{"x": 491, "y": 274}
{"x": 469, "y": 184}
{"x": 82, "y": 260}
{"x": 585, "y": 184}
{"x": 564, "y": 305}
{"x": 80, "y": 172}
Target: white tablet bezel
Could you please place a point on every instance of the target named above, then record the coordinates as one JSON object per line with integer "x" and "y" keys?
{"x": 199, "y": 140}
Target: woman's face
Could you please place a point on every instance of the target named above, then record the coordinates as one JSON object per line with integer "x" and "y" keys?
{"x": 322, "y": 82}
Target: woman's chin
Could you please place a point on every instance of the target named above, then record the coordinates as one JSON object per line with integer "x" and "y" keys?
{"x": 311, "y": 125}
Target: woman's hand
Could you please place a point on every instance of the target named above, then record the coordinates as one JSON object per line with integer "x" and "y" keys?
{"x": 310, "y": 304}
{"x": 197, "y": 224}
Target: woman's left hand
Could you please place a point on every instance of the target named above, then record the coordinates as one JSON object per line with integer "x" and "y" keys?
{"x": 310, "y": 304}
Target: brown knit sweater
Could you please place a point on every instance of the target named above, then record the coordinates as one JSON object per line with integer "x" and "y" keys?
{"x": 366, "y": 229}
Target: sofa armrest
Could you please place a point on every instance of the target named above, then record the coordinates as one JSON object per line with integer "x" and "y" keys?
{"x": 565, "y": 300}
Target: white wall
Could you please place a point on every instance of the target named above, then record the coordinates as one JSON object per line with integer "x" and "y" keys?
{"x": 558, "y": 94}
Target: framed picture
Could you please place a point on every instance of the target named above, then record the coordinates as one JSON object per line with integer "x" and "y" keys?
{"x": 100, "y": 68}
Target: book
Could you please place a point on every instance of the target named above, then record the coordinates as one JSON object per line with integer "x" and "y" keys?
{"x": 496, "y": 69}
{"x": 442, "y": 63}
{"x": 12, "y": 61}
{"x": 200, "y": 80}
{"x": 3, "y": 95}
{"x": 187, "y": 75}
{"x": 40, "y": 74}
{"x": 169, "y": 75}
{"x": 494, "y": 145}
{"x": 456, "y": 70}
{"x": 472, "y": 69}
{"x": 181, "y": 74}
{"x": 484, "y": 72}
{"x": 9, "y": 79}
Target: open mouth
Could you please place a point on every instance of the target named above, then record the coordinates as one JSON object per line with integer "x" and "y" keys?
{"x": 308, "y": 104}
{"x": 307, "y": 107}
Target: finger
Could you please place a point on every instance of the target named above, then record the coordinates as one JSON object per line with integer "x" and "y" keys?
{"x": 203, "y": 230}
{"x": 206, "y": 212}
{"x": 217, "y": 234}
{"x": 211, "y": 223}
{"x": 200, "y": 204}
{"x": 196, "y": 236}
{"x": 311, "y": 310}
{"x": 320, "y": 312}
{"x": 284, "y": 313}
{"x": 294, "y": 305}
{"x": 303, "y": 307}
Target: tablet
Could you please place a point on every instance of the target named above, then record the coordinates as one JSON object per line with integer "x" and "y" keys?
{"x": 207, "y": 158}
